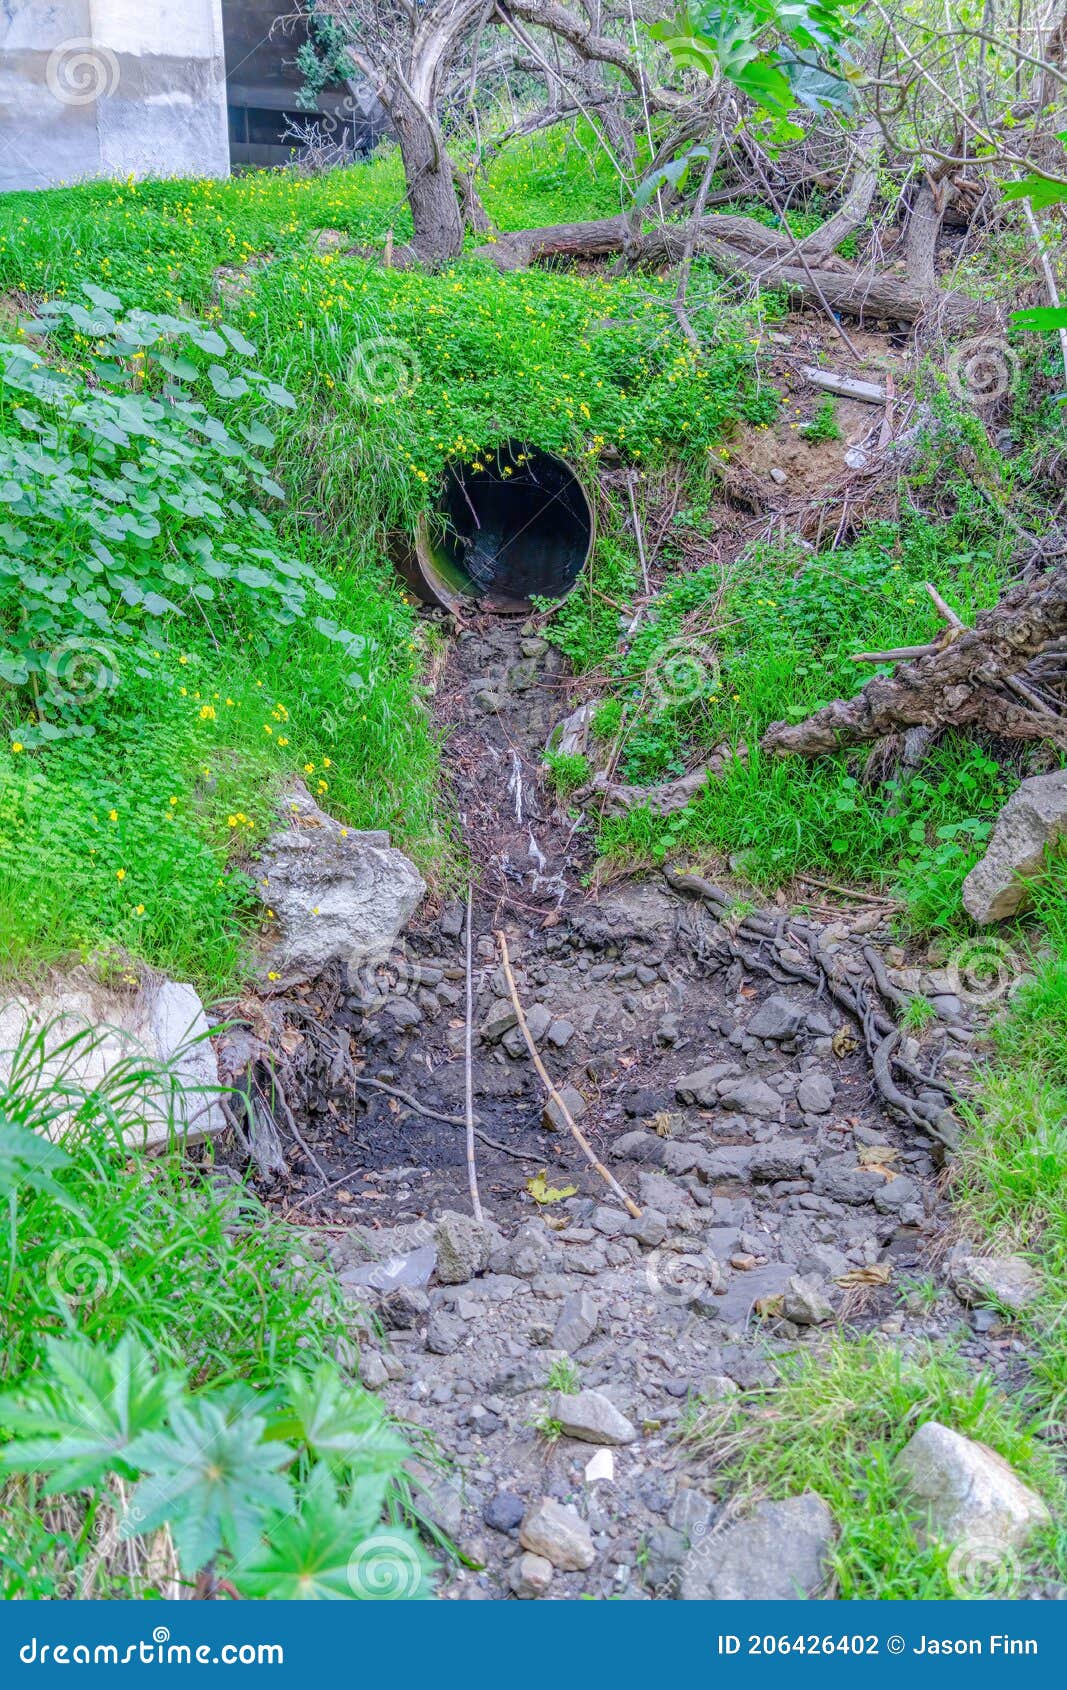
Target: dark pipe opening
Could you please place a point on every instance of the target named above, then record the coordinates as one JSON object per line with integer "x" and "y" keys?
{"x": 518, "y": 527}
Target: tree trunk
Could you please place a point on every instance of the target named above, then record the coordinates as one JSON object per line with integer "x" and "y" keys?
{"x": 431, "y": 188}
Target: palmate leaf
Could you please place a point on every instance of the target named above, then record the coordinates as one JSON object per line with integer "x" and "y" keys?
{"x": 336, "y": 1551}
{"x": 210, "y": 1478}
{"x": 76, "y": 1419}
{"x": 343, "y": 1424}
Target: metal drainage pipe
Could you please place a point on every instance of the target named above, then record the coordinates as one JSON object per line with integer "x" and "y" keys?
{"x": 519, "y": 527}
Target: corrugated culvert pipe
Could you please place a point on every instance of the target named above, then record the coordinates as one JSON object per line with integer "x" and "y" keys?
{"x": 519, "y": 526}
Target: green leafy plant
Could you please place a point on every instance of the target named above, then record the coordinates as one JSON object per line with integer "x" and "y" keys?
{"x": 824, "y": 424}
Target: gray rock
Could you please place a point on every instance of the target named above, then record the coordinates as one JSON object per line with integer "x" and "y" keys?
{"x": 1032, "y": 822}
{"x": 805, "y": 1303}
{"x": 444, "y": 1332}
{"x": 842, "y": 1178}
{"x": 658, "y": 1192}
{"x": 815, "y": 1094}
{"x": 591, "y": 1417}
{"x": 373, "y": 1372}
{"x": 639, "y": 1147}
{"x": 702, "y": 1087}
{"x": 896, "y": 1194}
{"x": 782, "y": 1159}
{"x": 504, "y": 1511}
{"x": 404, "y": 1308}
{"x": 158, "y": 1025}
{"x": 530, "y": 1576}
{"x": 538, "y": 1021}
{"x": 552, "y": 1117}
{"x": 558, "y": 1534}
{"x": 338, "y": 895}
{"x": 1007, "y": 1281}
{"x": 665, "y": 1551}
{"x": 751, "y": 1096}
{"x": 691, "y": 1513}
{"x": 500, "y": 1019}
{"x": 464, "y": 1246}
{"x": 649, "y": 1228}
{"x": 529, "y": 1253}
{"x": 577, "y": 1322}
{"x": 778, "y": 1018}
{"x": 965, "y": 1492}
{"x": 780, "y": 1552}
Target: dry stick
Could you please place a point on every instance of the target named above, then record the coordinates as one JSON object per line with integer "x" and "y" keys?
{"x": 472, "y": 1171}
{"x": 639, "y": 535}
{"x": 535, "y": 1057}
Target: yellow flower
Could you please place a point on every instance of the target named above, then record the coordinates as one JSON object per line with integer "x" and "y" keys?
{"x": 172, "y": 801}
{"x": 272, "y": 975}
{"x": 207, "y": 712}
{"x": 323, "y": 786}
{"x": 231, "y": 821}
{"x": 326, "y": 763}
{"x": 138, "y": 909}
{"x": 309, "y": 768}
{"x": 112, "y": 815}
{"x": 16, "y": 745}
{"x": 282, "y": 740}
{"x": 120, "y": 874}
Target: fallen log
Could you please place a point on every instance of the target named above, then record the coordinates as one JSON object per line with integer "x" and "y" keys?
{"x": 739, "y": 246}
{"x": 973, "y": 678}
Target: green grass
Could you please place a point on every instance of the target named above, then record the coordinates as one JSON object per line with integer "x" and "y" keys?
{"x": 834, "y": 1424}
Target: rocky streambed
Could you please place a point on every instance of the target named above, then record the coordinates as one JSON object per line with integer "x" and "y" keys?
{"x": 554, "y": 1351}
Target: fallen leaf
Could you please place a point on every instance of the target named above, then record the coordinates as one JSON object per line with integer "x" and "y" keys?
{"x": 768, "y": 1307}
{"x": 877, "y": 1155}
{"x": 880, "y": 1273}
{"x": 844, "y": 1042}
{"x": 542, "y": 1192}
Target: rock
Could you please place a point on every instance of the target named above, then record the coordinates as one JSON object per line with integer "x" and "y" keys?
{"x": 538, "y": 1021}
{"x": 463, "y": 1246}
{"x": 530, "y": 1576}
{"x": 782, "y": 1159}
{"x": 1008, "y": 1281}
{"x": 504, "y": 1511}
{"x": 552, "y": 1118}
{"x": 529, "y": 1253}
{"x": 665, "y": 1551}
{"x": 500, "y": 1019}
{"x": 815, "y": 1094}
{"x": 373, "y": 1372}
{"x": 338, "y": 895}
{"x": 965, "y": 1492}
{"x": 131, "y": 1017}
{"x": 576, "y": 1323}
{"x": 649, "y": 1228}
{"x": 804, "y": 1302}
{"x": 1032, "y": 822}
{"x": 404, "y": 1308}
{"x": 702, "y": 1087}
{"x": 778, "y": 476}
{"x": 559, "y": 1534}
{"x": 444, "y": 1332}
{"x": 560, "y": 1034}
{"x": 691, "y": 1513}
{"x": 451, "y": 924}
{"x": 639, "y": 1147}
{"x": 750, "y": 1096}
{"x": 592, "y": 1418}
{"x": 842, "y": 1178}
{"x": 778, "y": 1018}
{"x": 780, "y": 1552}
